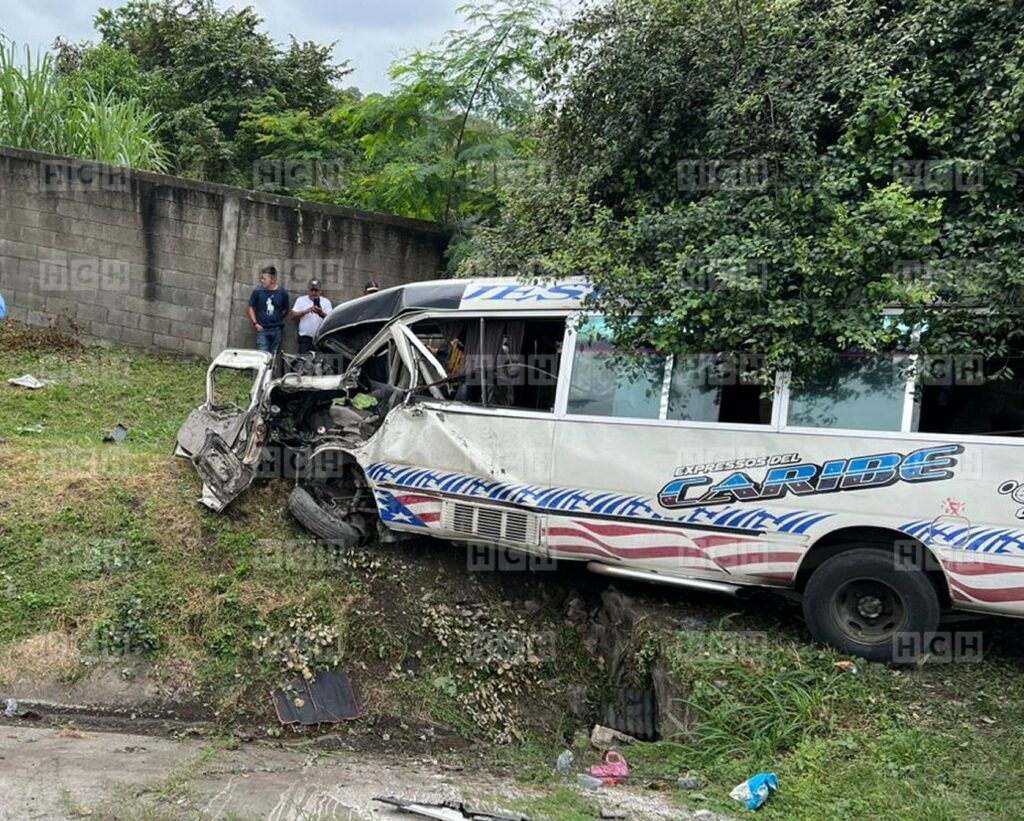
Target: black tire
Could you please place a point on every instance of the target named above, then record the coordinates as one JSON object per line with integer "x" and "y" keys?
{"x": 863, "y": 603}
{"x": 318, "y": 521}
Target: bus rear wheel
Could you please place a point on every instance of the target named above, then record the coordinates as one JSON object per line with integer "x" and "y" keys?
{"x": 861, "y": 602}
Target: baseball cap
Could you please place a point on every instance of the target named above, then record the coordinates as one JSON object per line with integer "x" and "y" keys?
{"x": 370, "y": 287}
{"x": 314, "y": 284}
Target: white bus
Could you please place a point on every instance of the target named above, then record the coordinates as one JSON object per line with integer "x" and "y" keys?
{"x": 504, "y": 415}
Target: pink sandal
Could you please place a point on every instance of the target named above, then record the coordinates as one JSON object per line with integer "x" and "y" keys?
{"x": 615, "y": 770}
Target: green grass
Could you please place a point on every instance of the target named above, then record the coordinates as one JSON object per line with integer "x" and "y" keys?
{"x": 107, "y": 541}
{"x": 563, "y": 804}
{"x": 106, "y": 545}
{"x": 941, "y": 742}
{"x": 92, "y": 390}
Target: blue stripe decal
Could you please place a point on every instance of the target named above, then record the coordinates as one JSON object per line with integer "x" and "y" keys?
{"x": 562, "y": 499}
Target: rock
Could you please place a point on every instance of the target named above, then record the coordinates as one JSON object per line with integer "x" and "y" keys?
{"x": 577, "y": 698}
{"x": 604, "y": 738}
{"x": 689, "y": 781}
{"x": 576, "y": 610}
{"x": 675, "y": 718}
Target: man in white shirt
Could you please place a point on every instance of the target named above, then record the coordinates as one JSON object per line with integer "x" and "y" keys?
{"x": 310, "y": 309}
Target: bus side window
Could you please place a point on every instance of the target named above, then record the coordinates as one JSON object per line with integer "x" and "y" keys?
{"x": 960, "y": 395}
{"x": 858, "y": 392}
{"x": 497, "y": 362}
{"x": 718, "y": 388}
{"x": 649, "y": 385}
{"x": 604, "y": 382}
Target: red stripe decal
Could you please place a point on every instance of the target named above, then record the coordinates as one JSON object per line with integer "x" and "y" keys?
{"x": 758, "y": 557}
{"x": 999, "y": 594}
{"x": 632, "y": 552}
{"x": 968, "y": 568}
{"x": 715, "y": 541}
{"x": 416, "y": 500}
{"x": 628, "y": 530}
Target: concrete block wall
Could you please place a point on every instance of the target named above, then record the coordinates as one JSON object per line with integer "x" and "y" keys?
{"x": 152, "y": 261}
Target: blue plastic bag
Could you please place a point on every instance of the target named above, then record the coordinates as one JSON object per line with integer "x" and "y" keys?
{"x": 3, "y": 308}
{"x": 755, "y": 790}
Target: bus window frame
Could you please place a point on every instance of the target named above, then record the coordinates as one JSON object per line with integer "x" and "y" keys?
{"x": 780, "y": 395}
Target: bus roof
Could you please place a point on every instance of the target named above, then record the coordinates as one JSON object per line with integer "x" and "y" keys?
{"x": 499, "y": 294}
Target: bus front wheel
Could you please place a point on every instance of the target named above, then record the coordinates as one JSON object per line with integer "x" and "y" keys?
{"x": 863, "y": 602}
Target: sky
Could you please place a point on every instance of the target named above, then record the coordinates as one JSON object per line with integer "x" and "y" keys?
{"x": 370, "y": 33}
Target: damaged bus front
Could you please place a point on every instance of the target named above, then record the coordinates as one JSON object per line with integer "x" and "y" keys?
{"x": 315, "y": 418}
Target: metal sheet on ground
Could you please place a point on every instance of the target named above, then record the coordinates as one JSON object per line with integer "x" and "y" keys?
{"x": 327, "y": 699}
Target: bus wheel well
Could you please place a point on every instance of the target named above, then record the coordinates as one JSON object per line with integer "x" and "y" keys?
{"x": 331, "y": 463}
{"x": 878, "y": 538}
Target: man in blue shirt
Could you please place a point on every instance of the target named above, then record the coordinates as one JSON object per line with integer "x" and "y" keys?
{"x": 268, "y": 307}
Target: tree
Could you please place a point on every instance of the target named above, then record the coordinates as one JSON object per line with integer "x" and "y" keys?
{"x": 460, "y": 116}
{"x": 205, "y": 70}
{"x": 768, "y": 176}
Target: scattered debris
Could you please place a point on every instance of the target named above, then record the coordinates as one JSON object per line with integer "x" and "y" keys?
{"x": 26, "y": 381}
{"x": 603, "y": 738}
{"x": 30, "y": 429}
{"x": 118, "y": 434}
{"x": 326, "y": 699}
{"x": 755, "y": 790}
{"x": 585, "y": 780}
{"x": 689, "y": 781}
{"x": 615, "y": 770}
{"x": 14, "y": 710}
{"x": 447, "y": 810}
{"x": 363, "y": 401}
{"x": 847, "y": 667}
{"x": 564, "y": 762}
